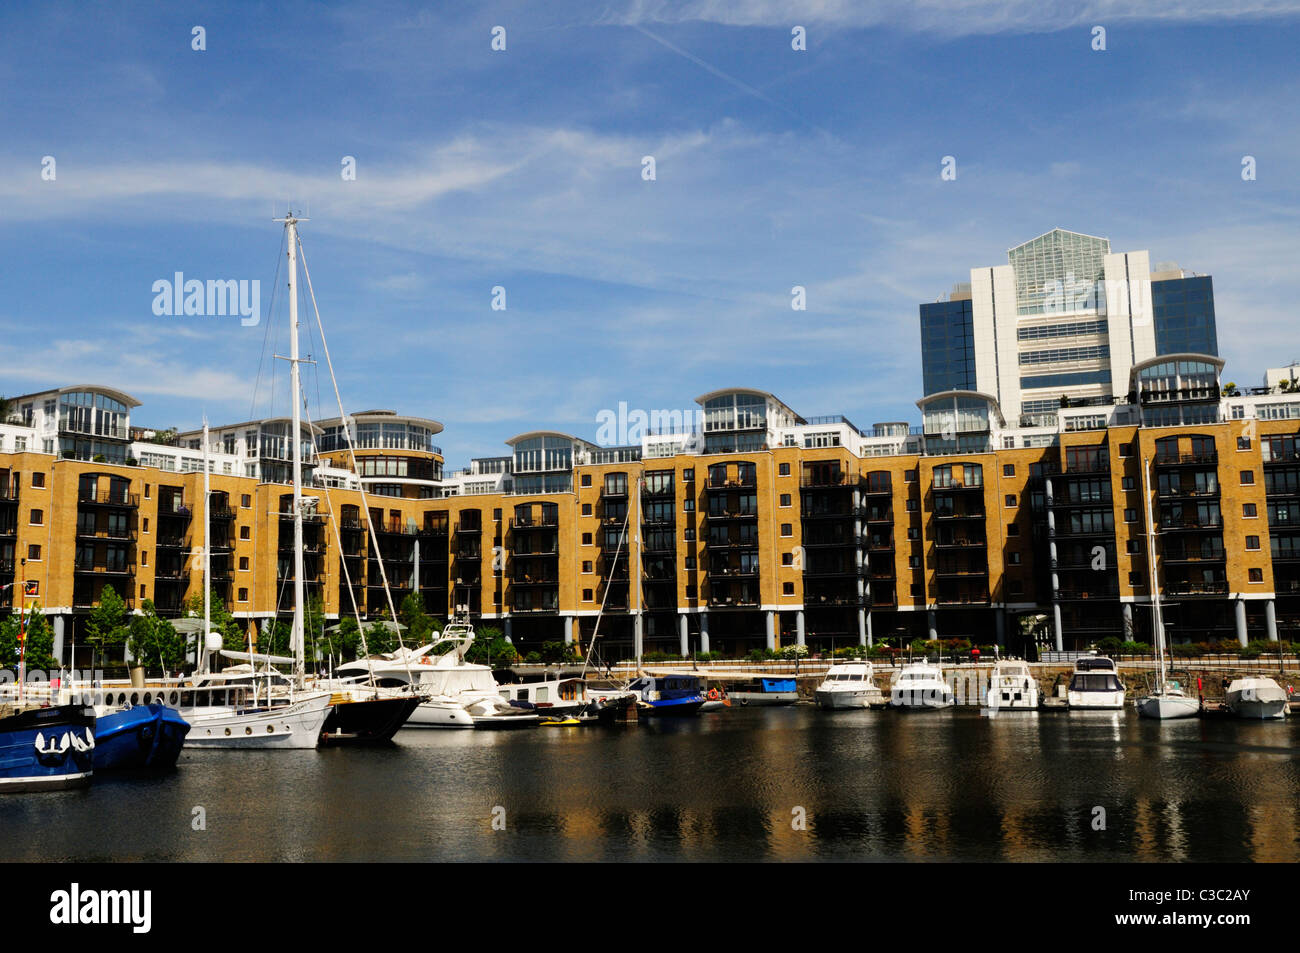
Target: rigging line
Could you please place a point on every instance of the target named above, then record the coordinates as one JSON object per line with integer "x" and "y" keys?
{"x": 595, "y": 632}
{"x": 266, "y": 332}
{"x": 347, "y": 576}
{"x": 352, "y": 457}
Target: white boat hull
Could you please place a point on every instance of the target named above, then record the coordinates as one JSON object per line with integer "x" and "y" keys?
{"x": 1168, "y": 706}
{"x": 1096, "y": 701}
{"x": 763, "y": 698}
{"x": 295, "y": 725}
{"x": 1012, "y": 696}
{"x": 857, "y": 698}
{"x": 919, "y": 699}
{"x": 440, "y": 715}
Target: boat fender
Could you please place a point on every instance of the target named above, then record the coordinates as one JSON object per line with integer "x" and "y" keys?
{"x": 602, "y": 699}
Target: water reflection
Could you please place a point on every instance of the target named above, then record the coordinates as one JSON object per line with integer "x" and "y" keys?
{"x": 944, "y": 785}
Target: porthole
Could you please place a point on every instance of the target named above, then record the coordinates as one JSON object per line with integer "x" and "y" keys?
{"x": 148, "y": 697}
{"x": 248, "y": 730}
{"x": 135, "y": 698}
{"x": 227, "y": 731}
{"x": 270, "y": 729}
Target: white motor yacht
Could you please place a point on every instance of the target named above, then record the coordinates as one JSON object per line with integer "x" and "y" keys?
{"x": 456, "y": 693}
{"x": 849, "y": 685}
{"x": 1012, "y": 687}
{"x": 920, "y": 685}
{"x": 1257, "y": 698}
{"x": 1095, "y": 685}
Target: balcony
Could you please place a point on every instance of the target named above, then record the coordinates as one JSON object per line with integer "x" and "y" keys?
{"x": 1196, "y": 588}
{"x": 955, "y": 515}
{"x": 737, "y": 543}
{"x": 530, "y": 524}
{"x": 963, "y": 599}
{"x": 1179, "y": 493}
{"x": 972, "y": 543}
{"x": 81, "y": 600}
{"x": 828, "y": 480}
{"x": 732, "y": 572}
{"x": 1190, "y": 525}
{"x": 731, "y": 515}
{"x": 1210, "y": 458}
{"x": 309, "y": 519}
{"x": 1083, "y": 595}
{"x": 123, "y": 535}
{"x": 951, "y": 572}
{"x": 713, "y": 486}
{"x": 222, "y": 513}
{"x": 608, "y": 492}
{"x": 956, "y": 486}
{"x": 116, "y": 498}
{"x": 115, "y": 571}
{"x": 874, "y": 514}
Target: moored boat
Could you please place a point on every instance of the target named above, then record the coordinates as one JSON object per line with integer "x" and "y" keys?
{"x": 46, "y": 748}
{"x": 920, "y": 686}
{"x": 668, "y": 695}
{"x": 766, "y": 691}
{"x": 140, "y": 736}
{"x": 850, "y": 685}
{"x": 1095, "y": 685}
{"x": 1256, "y": 698}
{"x": 1012, "y": 687}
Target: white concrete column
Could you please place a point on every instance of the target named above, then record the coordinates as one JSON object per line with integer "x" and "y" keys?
{"x": 683, "y": 635}
{"x": 798, "y": 623}
{"x": 864, "y": 628}
{"x": 1270, "y": 620}
{"x": 1056, "y": 627}
{"x": 704, "y": 632}
{"x": 932, "y": 621}
{"x": 509, "y": 630}
{"x": 771, "y": 629}
{"x": 59, "y": 637}
{"x": 1128, "y": 621}
{"x": 568, "y": 630}
{"x": 1240, "y": 609}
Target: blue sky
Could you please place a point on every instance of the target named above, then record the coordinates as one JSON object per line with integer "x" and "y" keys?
{"x": 522, "y": 169}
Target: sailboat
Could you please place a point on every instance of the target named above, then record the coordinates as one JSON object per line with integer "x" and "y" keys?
{"x": 1168, "y": 700}
{"x": 227, "y": 712}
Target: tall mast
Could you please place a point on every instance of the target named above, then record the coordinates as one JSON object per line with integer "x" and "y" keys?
{"x": 295, "y": 396}
{"x": 635, "y": 571}
{"x": 1157, "y": 617}
{"x": 207, "y": 549}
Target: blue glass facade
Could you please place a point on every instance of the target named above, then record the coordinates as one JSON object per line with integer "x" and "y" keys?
{"x": 947, "y": 346}
{"x": 1183, "y": 309}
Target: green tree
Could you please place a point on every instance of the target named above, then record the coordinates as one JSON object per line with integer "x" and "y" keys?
{"x": 155, "y": 641}
{"x": 491, "y": 648}
{"x": 419, "y": 624}
{"x": 233, "y": 635}
{"x": 40, "y": 641}
{"x": 107, "y": 626}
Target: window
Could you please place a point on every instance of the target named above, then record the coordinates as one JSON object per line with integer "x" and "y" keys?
{"x": 1011, "y": 499}
{"x": 688, "y": 534}
{"x": 1133, "y": 546}
{"x": 496, "y": 514}
{"x": 913, "y": 532}
{"x": 1257, "y": 575}
{"x": 785, "y": 499}
{"x": 1126, "y": 449}
{"x": 909, "y": 476}
{"x": 912, "y": 506}
{"x": 690, "y": 591}
{"x": 1013, "y": 558}
{"x": 38, "y": 479}
{"x": 1013, "y": 529}
{"x": 1130, "y": 516}
{"x": 586, "y": 595}
{"x": 690, "y": 562}
{"x": 783, "y": 469}
{"x": 916, "y": 590}
{"x": 787, "y": 589}
{"x": 34, "y": 552}
{"x": 914, "y": 562}
{"x": 586, "y": 539}
{"x": 243, "y": 532}
{"x": 243, "y": 595}
{"x": 1135, "y": 580}
{"x": 1248, "y": 511}
{"x": 245, "y": 501}
{"x": 243, "y": 564}
{"x": 787, "y": 559}
{"x": 787, "y": 529}
{"x": 586, "y": 479}
{"x": 586, "y": 565}
{"x": 144, "y": 557}
{"x": 1252, "y": 542}
{"x": 586, "y": 509}
{"x": 38, "y": 517}
{"x": 1016, "y": 587}
{"x": 1247, "y": 477}
{"x": 688, "y": 505}
{"x": 144, "y": 524}
{"x": 1128, "y": 483}
{"x": 1008, "y": 469}
{"x": 1243, "y": 443}
{"x": 688, "y": 475}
